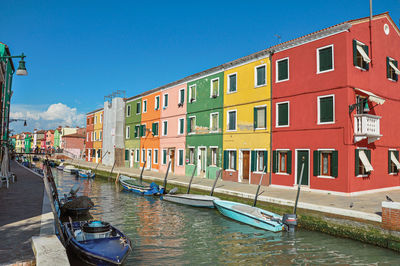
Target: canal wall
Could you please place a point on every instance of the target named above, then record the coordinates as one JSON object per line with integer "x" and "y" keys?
{"x": 316, "y": 211}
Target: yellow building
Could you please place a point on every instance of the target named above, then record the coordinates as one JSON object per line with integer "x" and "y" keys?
{"x": 98, "y": 136}
{"x": 246, "y": 127}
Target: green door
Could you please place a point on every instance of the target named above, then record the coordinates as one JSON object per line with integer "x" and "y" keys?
{"x": 302, "y": 157}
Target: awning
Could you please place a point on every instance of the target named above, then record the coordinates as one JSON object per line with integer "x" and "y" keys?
{"x": 372, "y": 97}
{"x": 394, "y": 160}
{"x": 363, "y": 54}
{"x": 396, "y": 70}
{"x": 365, "y": 161}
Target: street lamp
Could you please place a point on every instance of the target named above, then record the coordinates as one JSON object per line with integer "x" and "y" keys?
{"x": 17, "y": 119}
{"x": 21, "y": 70}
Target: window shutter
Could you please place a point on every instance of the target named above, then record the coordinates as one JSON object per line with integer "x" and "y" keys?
{"x": 126, "y": 155}
{"x": 283, "y": 69}
{"x": 325, "y": 59}
{"x": 153, "y": 128}
{"x": 137, "y": 108}
{"x": 234, "y": 156}
{"x": 208, "y": 156}
{"x": 316, "y": 168}
{"x": 334, "y": 164}
{"x": 274, "y": 161}
{"x": 226, "y": 159}
{"x": 395, "y": 75}
{"x": 365, "y": 47}
{"x": 389, "y": 161}
{"x": 357, "y": 162}
{"x": 283, "y": 110}
{"x": 396, "y": 153}
{"x": 368, "y": 153}
{"x": 387, "y": 67}
{"x": 182, "y": 100}
{"x": 255, "y": 117}
{"x": 355, "y": 52}
{"x": 189, "y": 125}
{"x": 253, "y": 161}
{"x": 266, "y": 161}
{"x": 166, "y": 100}
{"x": 289, "y": 162}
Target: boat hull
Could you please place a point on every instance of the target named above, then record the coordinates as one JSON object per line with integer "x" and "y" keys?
{"x": 227, "y": 209}
{"x": 193, "y": 200}
{"x": 143, "y": 189}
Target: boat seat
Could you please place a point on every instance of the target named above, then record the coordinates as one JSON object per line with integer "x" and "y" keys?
{"x": 252, "y": 211}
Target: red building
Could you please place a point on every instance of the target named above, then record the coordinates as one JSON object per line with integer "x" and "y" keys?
{"x": 335, "y": 99}
{"x": 74, "y": 144}
{"x": 89, "y": 151}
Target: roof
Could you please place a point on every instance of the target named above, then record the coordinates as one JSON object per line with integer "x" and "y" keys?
{"x": 95, "y": 111}
{"x": 75, "y": 135}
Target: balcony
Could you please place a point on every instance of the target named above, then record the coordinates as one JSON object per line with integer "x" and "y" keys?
{"x": 366, "y": 126}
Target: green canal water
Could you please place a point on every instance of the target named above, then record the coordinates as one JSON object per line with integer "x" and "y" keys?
{"x": 164, "y": 233}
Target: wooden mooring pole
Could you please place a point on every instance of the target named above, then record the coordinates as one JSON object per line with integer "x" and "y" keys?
{"x": 141, "y": 173}
{"x": 191, "y": 179}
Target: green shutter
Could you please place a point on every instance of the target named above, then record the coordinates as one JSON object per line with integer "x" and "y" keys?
{"x": 274, "y": 161}
{"x": 357, "y": 162}
{"x": 182, "y": 92}
{"x": 189, "y": 125}
{"x": 138, "y": 108}
{"x": 395, "y": 75}
{"x": 316, "y": 168}
{"x": 283, "y": 114}
{"x": 389, "y": 161}
{"x": 234, "y": 156}
{"x": 253, "y": 161}
{"x": 334, "y": 164}
{"x": 166, "y": 100}
{"x": 387, "y": 67}
{"x": 126, "y": 155}
{"x": 266, "y": 161}
{"x": 396, "y": 153}
{"x": 355, "y": 52}
{"x": 365, "y": 47}
{"x": 226, "y": 160}
{"x": 208, "y": 156}
{"x": 289, "y": 162}
{"x": 260, "y": 75}
{"x": 368, "y": 153}
{"x": 326, "y": 109}
{"x": 180, "y": 157}
{"x": 255, "y": 117}
{"x": 283, "y": 72}
{"x": 325, "y": 59}
{"x": 153, "y": 128}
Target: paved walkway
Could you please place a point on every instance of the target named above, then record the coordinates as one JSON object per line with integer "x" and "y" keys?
{"x": 20, "y": 215}
{"x": 366, "y": 206}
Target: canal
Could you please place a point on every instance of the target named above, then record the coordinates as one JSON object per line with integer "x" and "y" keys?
{"x": 165, "y": 233}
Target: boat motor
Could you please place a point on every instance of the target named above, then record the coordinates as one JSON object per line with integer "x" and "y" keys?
{"x": 290, "y": 222}
{"x": 96, "y": 229}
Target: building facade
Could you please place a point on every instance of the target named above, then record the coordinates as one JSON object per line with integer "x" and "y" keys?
{"x": 89, "y": 154}
{"x": 133, "y": 117}
{"x": 98, "y": 136}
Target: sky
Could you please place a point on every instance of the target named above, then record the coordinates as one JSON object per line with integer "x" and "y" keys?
{"x": 80, "y": 51}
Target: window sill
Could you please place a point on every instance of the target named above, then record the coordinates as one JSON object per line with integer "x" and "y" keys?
{"x": 283, "y": 80}
{"x": 260, "y": 128}
{"x": 325, "y": 71}
{"x": 258, "y": 172}
{"x": 277, "y": 126}
{"x": 326, "y": 177}
{"x": 261, "y": 85}
{"x": 230, "y": 170}
{"x": 362, "y": 176}
{"x": 326, "y": 123}
{"x": 282, "y": 173}
{"x": 231, "y": 130}
{"x": 231, "y": 92}
{"x": 392, "y": 80}
{"x": 393, "y": 173}
{"x": 360, "y": 68}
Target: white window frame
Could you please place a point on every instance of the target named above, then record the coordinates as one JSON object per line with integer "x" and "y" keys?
{"x": 179, "y": 96}
{"x": 364, "y": 149}
{"x": 179, "y": 126}
{"x": 164, "y": 126}
{"x": 216, "y": 155}
{"x": 257, "y": 155}
{"x": 158, "y": 127}
{"x": 95, "y": 119}
{"x": 128, "y": 132}
{"x": 140, "y": 109}
{"x": 278, "y": 151}
{"x": 329, "y": 150}
{"x": 318, "y": 109}
{"x": 266, "y": 115}
{"x": 190, "y": 93}
{"x": 255, "y": 76}
{"x": 101, "y": 118}
{"x": 137, "y": 155}
{"x": 155, "y": 158}
{"x": 229, "y": 83}
{"x": 277, "y": 114}
{"x": 100, "y": 134}
{"x": 358, "y": 43}
{"x": 165, "y": 106}
{"x": 142, "y": 159}
{"x": 392, "y": 173}
{"x": 211, "y": 114}
{"x": 162, "y": 157}
{"x": 194, "y": 155}
{"x": 87, "y": 136}
{"x": 128, "y": 110}
{"x": 277, "y": 70}
{"x": 145, "y": 132}
{"x": 92, "y": 136}
{"x": 229, "y": 160}
{"x": 179, "y": 156}
{"x": 95, "y": 136}
{"x": 227, "y": 120}
{"x": 144, "y": 110}
{"x": 333, "y": 59}
{"x": 392, "y": 60}
{"x": 211, "y": 88}
{"x": 155, "y": 102}
{"x": 194, "y": 131}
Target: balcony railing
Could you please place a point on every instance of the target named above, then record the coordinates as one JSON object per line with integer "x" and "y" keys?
{"x": 366, "y": 126}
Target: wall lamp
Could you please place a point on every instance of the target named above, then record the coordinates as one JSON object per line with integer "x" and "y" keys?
{"x": 21, "y": 70}
{"x": 359, "y": 104}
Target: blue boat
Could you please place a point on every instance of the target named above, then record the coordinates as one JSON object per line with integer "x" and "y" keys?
{"x": 97, "y": 242}
{"x": 86, "y": 174}
{"x": 250, "y": 215}
{"x": 142, "y": 188}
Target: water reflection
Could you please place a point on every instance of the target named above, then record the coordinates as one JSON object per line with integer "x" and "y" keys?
{"x": 166, "y": 233}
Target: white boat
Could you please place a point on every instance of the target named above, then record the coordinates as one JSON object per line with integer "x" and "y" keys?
{"x": 70, "y": 169}
{"x": 193, "y": 200}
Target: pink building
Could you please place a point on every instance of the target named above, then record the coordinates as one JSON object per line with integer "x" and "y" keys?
{"x": 74, "y": 144}
{"x": 173, "y": 138}
{"x": 49, "y": 140}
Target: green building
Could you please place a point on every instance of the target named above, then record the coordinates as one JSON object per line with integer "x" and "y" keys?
{"x": 133, "y": 116}
{"x": 204, "y": 125}
{"x": 57, "y": 137}
{"x": 28, "y": 142}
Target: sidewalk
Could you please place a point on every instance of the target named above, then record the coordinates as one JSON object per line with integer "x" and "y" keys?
{"x": 366, "y": 207}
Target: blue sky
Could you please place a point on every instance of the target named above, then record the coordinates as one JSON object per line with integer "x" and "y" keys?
{"x": 80, "y": 51}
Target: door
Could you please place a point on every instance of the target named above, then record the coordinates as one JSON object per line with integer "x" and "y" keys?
{"x": 148, "y": 164}
{"x": 132, "y": 158}
{"x": 172, "y": 158}
{"x": 203, "y": 161}
{"x": 302, "y": 159}
{"x": 245, "y": 165}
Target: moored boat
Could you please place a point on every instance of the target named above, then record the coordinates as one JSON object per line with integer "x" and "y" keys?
{"x": 250, "y": 215}
{"x": 60, "y": 166}
{"x": 142, "y": 188}
{"x": 97, "y": 242}
{"x": 70, "y": 169}
{"x": 193, "y": 200}
{"x": 86, "y": 173}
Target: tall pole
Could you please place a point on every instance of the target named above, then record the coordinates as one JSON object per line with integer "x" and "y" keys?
{"x": 370, "y": 27}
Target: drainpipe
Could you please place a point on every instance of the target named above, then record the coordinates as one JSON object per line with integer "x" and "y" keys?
{"x": 270, "y": 120}
{"x": 370, "y": 27}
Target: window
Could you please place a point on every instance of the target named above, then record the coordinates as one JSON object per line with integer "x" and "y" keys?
{"x": 180, "y": 157}
{"x": 155, "y": 156}
{"x": 191, "y": 155}
{"x": 214, "y": 88}
{"x": 154, "y": 129}
{"x": 143, "y": 130}
{"x": 326, "y": 112}
{"x": 92, "y": 137}
{"x": 126, "y": 155}
{"x": 230, "y": 160}
{"x": 191, "y": 124}
{"x": 87, "y": 137}
{"x": 360, "y": 55}
{"x": 128, "y": 110}
{"x": 214, "y": 156}
{"x": 391, "y": 69}
{"x": 165, "y": 102}
{"x": 232, "y": 120}
{"x": 157, "y": 104}
{"x": 282, "y": 69}
{"x": 232, "y": 83}
{"x": 181, "y": 96}
{"x": 164, "y": 156}
{"x": 363, "y": 162}
{"x": 325, "y": 163}
{"x": 181, "y": 128}
{"x": 144, "y": 106}
{"x": 259, "y": 161}
{"x": 282, "y": 114}
{"x": 260, "y": 76}
{"x": 138, "y": 108}
{"x": 95, "y": 135}
{"x": 101, "y": 118}
{"x": 393, "y": 160}
{"x": 214, "y": 122}
{"x": 260, "y": 117}
{"x": 95, "y": 120}
{"x": 137, "y": 131}
{"x": 282, "y": 161}
{"x": 165, "y": 128}
{"x": 143, "y": 155}
{"x": 192, "y": 93}
{"x": 325, "y": 61}
{"x": 100, "y": 135}
{"x": 127, "y": 132}
{"x": 137, "y": 155}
